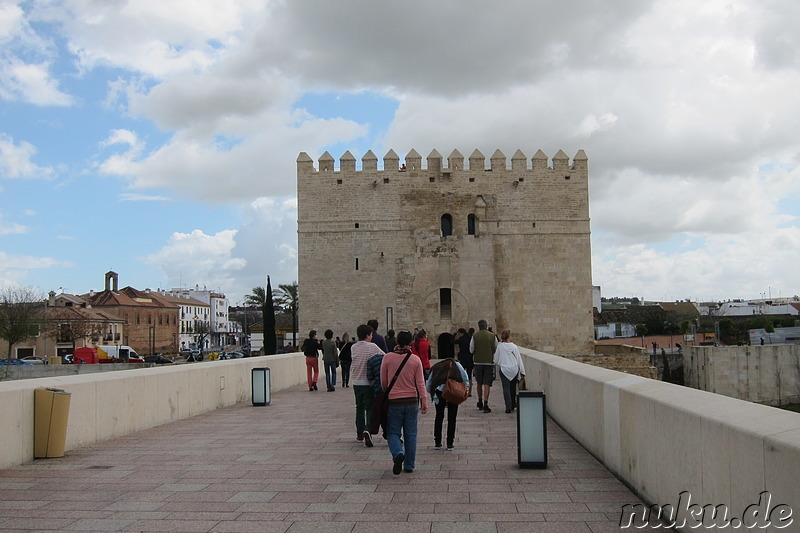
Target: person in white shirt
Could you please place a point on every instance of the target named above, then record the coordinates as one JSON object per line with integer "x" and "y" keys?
{"x": 508, "y": 358}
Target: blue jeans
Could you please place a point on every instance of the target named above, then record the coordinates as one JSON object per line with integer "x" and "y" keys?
{"x": 330, "y": 373}
{"x": 403, "y": 417}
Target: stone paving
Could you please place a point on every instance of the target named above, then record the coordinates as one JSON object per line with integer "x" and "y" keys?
{"x": 294, "y": 466}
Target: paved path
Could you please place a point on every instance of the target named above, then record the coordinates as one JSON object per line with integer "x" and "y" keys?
{"x": 294, "y": 466}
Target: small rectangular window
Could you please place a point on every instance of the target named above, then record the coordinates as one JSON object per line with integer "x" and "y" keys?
{"x": 338, "y": 182}
{"x": 386, "y": 180}
{"x": 356, "y": 225}
{"x": 472, "y": 180}
{"x": 445, "y": 306}
{"x": 356, "y": 263}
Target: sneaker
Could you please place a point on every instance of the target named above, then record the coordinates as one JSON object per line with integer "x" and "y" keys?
{"x": 408, "y": 470}
{"x": 315, "y": 385}
{"x": 398, "y": 464}
{"x": 480, "y": 404}
{"x": 508, "y": 410}
{"x": 449, "y": 448}
{"x": 311, "y": 389}
{"x": 486, "y": 409}
{"x": 367, "y": 439}
{"x": 359, "y": 439}
{"x": 437, "y": 446}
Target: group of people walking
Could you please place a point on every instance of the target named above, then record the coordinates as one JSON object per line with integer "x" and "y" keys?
{"x": 401, "y": 364}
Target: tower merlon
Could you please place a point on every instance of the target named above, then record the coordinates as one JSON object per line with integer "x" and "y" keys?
{"x": 455, "y": 161}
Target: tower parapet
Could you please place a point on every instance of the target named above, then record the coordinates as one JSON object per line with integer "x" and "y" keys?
{"x": 455, "y": 161}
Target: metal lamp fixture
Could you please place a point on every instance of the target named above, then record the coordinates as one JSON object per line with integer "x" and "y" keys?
{"x": 261, "y": 387}
{"x": 531, "y": 430}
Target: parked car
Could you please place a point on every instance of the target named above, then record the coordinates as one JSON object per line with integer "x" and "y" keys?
{"x": 235, "y": 355}
{"x": 192, "y": 355}
{"x": 32, "y": 359}
{"x": 67, "y": 359}
{"x": 14, "y": 362}
{"x": 158, "y": 359}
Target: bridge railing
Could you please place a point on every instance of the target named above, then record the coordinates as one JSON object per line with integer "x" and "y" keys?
{"x": 663, "y": 439}
{"x": 113, "y": 404}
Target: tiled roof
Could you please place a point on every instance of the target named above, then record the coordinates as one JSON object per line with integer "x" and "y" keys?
{"x": 129, "y": 297}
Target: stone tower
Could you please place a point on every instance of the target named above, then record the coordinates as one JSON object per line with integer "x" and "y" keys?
{"x": 441, "y": 246}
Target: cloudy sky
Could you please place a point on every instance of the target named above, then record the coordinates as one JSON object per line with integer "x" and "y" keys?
{"x": 158, "y": 138}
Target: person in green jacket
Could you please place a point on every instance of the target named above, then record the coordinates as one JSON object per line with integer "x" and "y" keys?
{"x": 482, "y": 347}
{"x": 330, "y": 358}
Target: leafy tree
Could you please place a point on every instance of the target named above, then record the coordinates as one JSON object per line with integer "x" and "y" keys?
{"x": 269, "y": 321}
{"x": 21, "y": 315}
{"x": 202, "y": 329}
{"x": 286, "y": 296}
{"x": 641, "y": 331}
{"x": 727, "y": 329}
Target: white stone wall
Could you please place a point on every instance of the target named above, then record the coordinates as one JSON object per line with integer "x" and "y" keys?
{"x": 767, "y": 374}
{"x": 662, "y": 439}
{"x": 105, "y": 406}
{"x": 528, "y": 268}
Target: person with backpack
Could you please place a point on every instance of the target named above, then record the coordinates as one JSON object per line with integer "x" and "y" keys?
{"x": 440, "y": 373}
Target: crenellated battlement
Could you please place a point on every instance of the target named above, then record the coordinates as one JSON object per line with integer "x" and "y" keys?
{"x": 434, "y": 163}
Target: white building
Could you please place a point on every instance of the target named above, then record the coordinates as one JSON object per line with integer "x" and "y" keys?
{"x": 195, "y": 319}
{"x": 218, "y": 313}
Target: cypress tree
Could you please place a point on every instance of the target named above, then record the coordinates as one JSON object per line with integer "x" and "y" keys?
{"x": 269, "y": 322}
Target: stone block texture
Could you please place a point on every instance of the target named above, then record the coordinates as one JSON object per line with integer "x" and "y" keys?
{"x": 440, "y": 247}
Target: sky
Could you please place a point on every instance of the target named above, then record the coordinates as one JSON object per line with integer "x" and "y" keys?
{"x": 158, "y": 138}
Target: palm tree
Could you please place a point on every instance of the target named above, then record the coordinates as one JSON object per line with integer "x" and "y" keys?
{"x": 286, "y": 296}
{"x": 257, "y": 299}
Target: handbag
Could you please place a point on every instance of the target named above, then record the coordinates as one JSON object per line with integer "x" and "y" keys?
{"x": 522, "y": 384}
{"x": 380, "y": 404}
{"x": 454, "y": 392}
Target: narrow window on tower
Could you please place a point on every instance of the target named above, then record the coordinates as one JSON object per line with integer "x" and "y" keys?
{"x": 447, "y": 225}
{"x": 472, "y": 224}
{"x": 445, "y": 305}
{"x": 356, "y": 263}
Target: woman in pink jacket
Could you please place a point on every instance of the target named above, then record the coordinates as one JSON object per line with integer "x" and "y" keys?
{"x": 407, "y": 399}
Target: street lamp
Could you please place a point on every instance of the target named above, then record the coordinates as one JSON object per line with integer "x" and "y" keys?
{"x": 531, "y": 429}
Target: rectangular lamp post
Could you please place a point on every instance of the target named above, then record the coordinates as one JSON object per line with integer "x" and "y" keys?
{"x": 260, "y": 380}
{"x": 531, "y": 430}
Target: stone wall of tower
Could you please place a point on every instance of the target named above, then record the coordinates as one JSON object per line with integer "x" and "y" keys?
{"x": 371, "y": 245}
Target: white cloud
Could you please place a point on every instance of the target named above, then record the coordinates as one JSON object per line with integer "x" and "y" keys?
{"x": 25, "y": 62}
{"x": 722, "y": 267}
{"x": 160, "y": 38}
{"x": 133, "y": 197}
{"x": 205, "y": 259}
{"x": 10, "y": 228}
{"x": 30, "y": 82}
{"x": 687, "y": 111}
{"x": 15, "y": 268}
{"x": 16, "y": 160}
{"x": 236, "y": 260}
